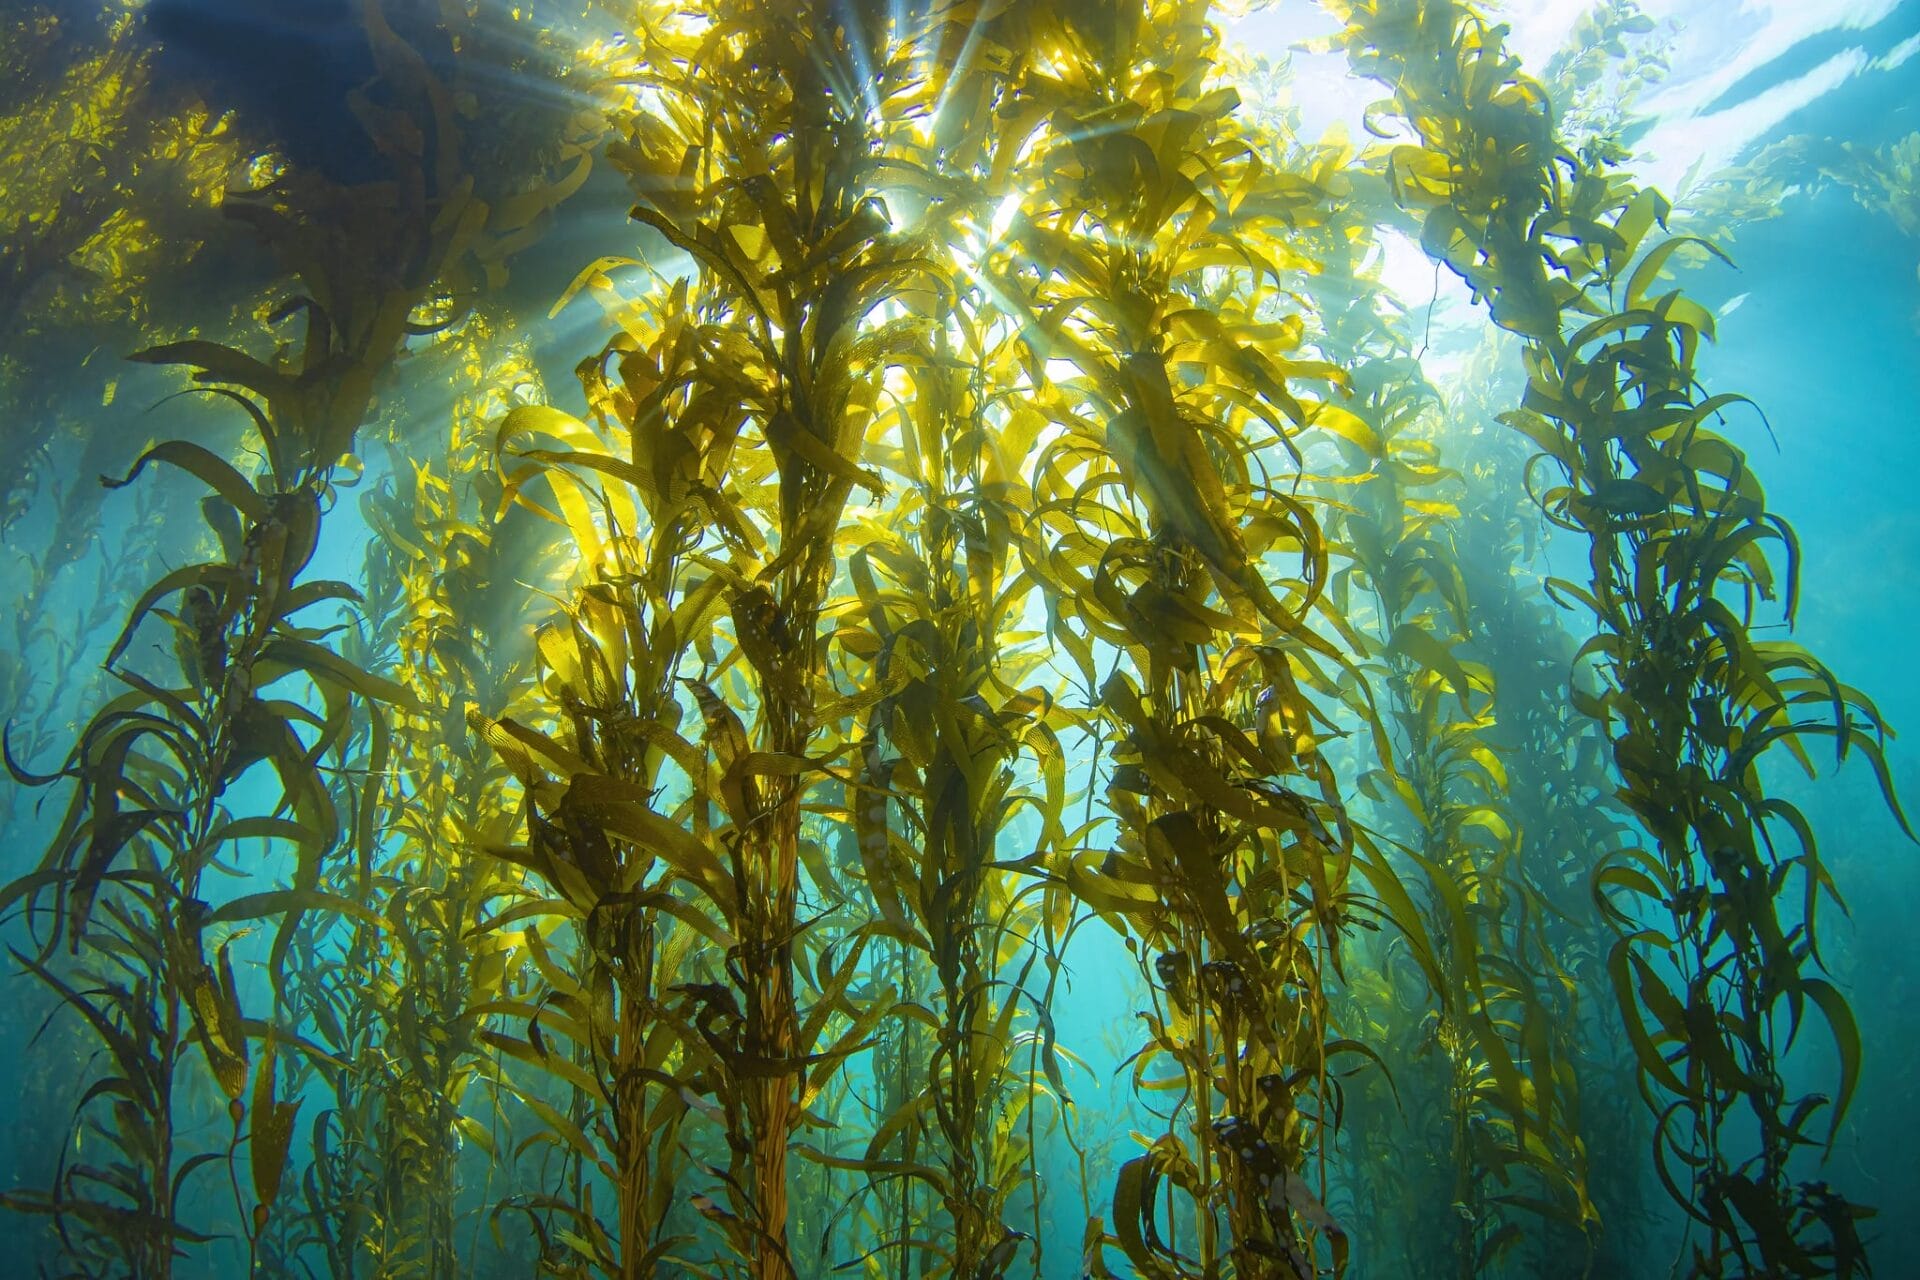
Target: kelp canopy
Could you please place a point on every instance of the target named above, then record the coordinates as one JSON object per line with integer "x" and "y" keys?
{"x": 709, "y": 578}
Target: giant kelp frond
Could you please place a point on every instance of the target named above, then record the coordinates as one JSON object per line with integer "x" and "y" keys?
{"x": 1716, "y": 949}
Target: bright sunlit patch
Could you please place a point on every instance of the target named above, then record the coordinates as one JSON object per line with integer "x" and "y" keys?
{"x": 1414, "y": 278}
{"x": 688, "y": 21}
{"x": 1003, "y": 216}
{"x": 1320, "y": 83}
{"x": 1718, "y": 45}
{"x": 903, "y": 209}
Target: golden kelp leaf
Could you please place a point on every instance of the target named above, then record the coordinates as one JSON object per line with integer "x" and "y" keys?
{"x": 202, "y": 463}
{"x": 874, "y": 841}
{"x": 1619, "y": 967}
{"x": 329, "y": 667}
{"x": 1132, "y": 1209}
{"x": 270, "y": 902}
{"x": 1431, "y": 652}
{"x": 213, "y": 362}
{"x": 215, "y": 1009}
{"x": 272, "y": 1136}
{"x": 726, "y": 737}
{"x": 1846, "y": 1042}
{"x": 1179, "y": 841}
{"x": 1648, "y": 271}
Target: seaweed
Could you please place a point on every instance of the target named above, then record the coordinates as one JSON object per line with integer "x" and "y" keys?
{"x": 121, "y": 882}
{"x": 998, "y": 516}
{"x": 1504, "y": 1118}
{"x": 1680, "y": 536}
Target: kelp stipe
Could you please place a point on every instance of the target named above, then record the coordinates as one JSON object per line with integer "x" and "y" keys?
{"x": 403, "y": 1091}
{"x": 769, "y": 341}
{"x": 149, "y": 776}
{"x": 951, "y": 716}
{"x": 1567, "y": 822}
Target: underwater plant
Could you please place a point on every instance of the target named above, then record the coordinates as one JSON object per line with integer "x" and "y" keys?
{"x": 1679, "y": 532}
{"x": 766, "y": 340}
{"x": 934, "y": 636}
{"x": 402, "y": 1089}
{"x": 1566, "y": 822}
{"x": 152, "y": 770}
{"x": 960, "y": 692}
{"x": 1159, "y": 536}
{"x": 1507, "y": 1099}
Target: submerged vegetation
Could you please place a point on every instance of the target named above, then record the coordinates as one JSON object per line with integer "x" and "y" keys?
{"x": 631, "y": 738}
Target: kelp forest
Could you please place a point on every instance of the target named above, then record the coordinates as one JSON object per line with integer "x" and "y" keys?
{"x": 794, "y": 638}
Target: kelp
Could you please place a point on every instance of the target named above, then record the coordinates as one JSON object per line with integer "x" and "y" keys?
{"x": 110, "y": 205}
{"x": 677, "y": 469}
{"x": 404, "y": 1086}
{"x": 932, "y": 637}
{"x": 1153, "y": 523}
{"x": 122, "y": 880}
{"x": 1566, "y": 823}
{"x": 1712, "y": 976}
{"x": 1508, "y": 1096}
{"x": 147, "y": 821}
{"x": 773, "y": 201}
{"x": 999, "y": 508}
